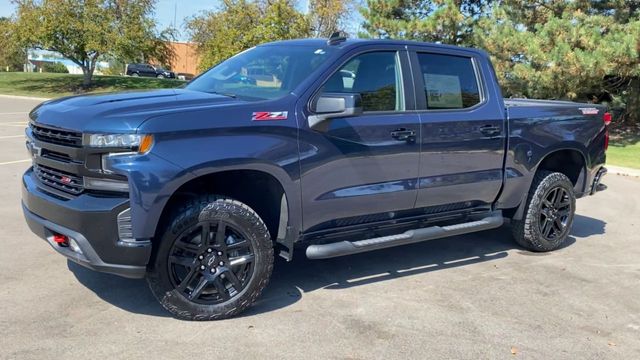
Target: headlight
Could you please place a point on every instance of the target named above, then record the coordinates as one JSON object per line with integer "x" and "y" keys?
{"x": 136, "y": 142}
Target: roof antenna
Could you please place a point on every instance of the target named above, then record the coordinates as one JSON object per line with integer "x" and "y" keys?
{"x": 336, "y": 38}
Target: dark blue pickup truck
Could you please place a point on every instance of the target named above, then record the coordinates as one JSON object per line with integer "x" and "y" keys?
{"x": 339, "y": 146}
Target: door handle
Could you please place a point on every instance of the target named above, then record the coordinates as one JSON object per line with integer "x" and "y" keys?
{"x": 403, "y": 134}
{"x": 490, "y": 130}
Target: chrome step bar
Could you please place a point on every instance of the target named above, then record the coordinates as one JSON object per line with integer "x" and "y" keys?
{"x": 325, "y": 251}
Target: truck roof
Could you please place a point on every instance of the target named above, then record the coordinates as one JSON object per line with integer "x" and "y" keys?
{"x": 351, "y": 43}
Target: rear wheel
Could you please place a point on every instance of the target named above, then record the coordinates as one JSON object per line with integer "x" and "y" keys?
{"x": 549, "y": 212}
{"x": 213, "y": 261}
{"x": 135, "y": 74}
{"x": 160, "y": 76}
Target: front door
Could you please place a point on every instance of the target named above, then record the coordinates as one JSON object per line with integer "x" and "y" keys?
{"x": 362, "y": 169}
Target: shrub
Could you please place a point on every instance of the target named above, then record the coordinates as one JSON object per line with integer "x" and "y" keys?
{"x": 55, "y": 68}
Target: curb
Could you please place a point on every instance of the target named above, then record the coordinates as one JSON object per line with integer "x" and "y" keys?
{"x": 624, "y": 171}
{"x": 23, "y": 97}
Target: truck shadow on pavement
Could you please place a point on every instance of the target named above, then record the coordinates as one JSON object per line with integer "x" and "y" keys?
{"x": 290, "y": 280}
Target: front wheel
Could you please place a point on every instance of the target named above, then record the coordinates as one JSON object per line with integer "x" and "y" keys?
{"x": 160, "y": 76}
{"x": 213, "y": 261}
{"x": 549, "y": 213}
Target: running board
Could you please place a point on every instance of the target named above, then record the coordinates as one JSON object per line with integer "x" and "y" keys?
{"x": 324, "y": 251}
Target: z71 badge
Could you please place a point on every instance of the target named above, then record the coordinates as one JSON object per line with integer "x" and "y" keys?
{"x": 269, "y": 115}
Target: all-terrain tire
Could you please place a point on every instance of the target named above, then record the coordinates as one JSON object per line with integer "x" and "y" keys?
{"x": 528, "y": 231}
{"x": 210, "y": 208}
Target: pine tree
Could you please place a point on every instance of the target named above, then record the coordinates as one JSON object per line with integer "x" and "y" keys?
{"x": 577, "y": 50}
{"x": 445, "y": 21}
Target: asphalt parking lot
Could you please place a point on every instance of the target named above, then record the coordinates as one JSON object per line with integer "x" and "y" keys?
{"x": 474, "y": 296}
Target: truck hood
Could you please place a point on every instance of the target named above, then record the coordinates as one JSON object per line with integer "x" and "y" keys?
{"x": 120, "y": 112}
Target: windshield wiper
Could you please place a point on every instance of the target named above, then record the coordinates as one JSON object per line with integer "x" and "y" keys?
{"x": 223, "y": 94}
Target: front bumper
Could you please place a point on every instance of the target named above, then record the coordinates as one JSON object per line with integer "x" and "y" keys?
{"x": 91, "y": 221}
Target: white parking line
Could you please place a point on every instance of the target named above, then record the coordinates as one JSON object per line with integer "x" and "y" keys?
{"x": 15, "y": 113}
{"x": 11, "y": 136}
{"x": 14, "y": 162}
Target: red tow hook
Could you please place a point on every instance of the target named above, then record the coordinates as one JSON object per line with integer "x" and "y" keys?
{"x": 61, "y": 240}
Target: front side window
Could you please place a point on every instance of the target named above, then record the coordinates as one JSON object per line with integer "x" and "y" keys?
{"x": 449, "y": 81}
{"x": 263, "y": 72}
{"x": 375, "y": 76}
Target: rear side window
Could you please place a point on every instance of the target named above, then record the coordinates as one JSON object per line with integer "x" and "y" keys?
{"x": 375, "y": 76}
{"x": 450, "y": 81}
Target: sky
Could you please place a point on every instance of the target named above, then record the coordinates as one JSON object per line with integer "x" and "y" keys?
{"x": 165, "y": 14}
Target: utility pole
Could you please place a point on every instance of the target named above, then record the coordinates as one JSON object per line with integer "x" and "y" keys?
{"x": 175, "y": 14}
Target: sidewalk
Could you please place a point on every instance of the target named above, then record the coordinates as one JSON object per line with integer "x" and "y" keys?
{"x": 624, "y": 171}
{"x": 23, "y": 97}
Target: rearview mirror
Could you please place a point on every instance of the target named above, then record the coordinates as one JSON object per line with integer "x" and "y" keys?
{"x": 334, "y": 105}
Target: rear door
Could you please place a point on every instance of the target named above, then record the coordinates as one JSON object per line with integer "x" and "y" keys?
{"x": 362, "y": 169}
{"x": 462, "y": 132}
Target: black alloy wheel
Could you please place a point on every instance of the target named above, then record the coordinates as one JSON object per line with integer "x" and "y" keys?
{"x": 211, "y": 262}
{"x": 554, "y": 213}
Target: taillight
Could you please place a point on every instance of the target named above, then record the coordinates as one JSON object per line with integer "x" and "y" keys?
{"x": 606, "y": 117}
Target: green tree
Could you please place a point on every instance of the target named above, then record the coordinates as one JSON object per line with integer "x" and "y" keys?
{"x": 328, "y": 16}
{"x": 137, "y": 39}
{"x": 242, "y": 24}
{"x": 12, "y": 56}
{"x": 84, "y": 31}
{"x": 446, "y": 21}
{"x": 565, "y": 50}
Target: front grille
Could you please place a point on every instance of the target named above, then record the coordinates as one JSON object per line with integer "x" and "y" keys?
{"x": 59, "y": 137}
{"x": 60, "y": 180}
{"x": 64, "y": 158}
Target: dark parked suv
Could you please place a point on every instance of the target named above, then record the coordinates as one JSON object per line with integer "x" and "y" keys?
{"x": 339, "y": 147}
{"x": 149, "y": 71}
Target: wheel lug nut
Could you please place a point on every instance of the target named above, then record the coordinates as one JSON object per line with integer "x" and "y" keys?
{"x": 222, "y": 276}
{"x": 221, "y": 263}
{"x": 200, "y": 257}
{"x": 213, "y": 270}
{"x": 219, "y": 253}
{"x": 209, "y": 250}
{"x": 202, "y": 267}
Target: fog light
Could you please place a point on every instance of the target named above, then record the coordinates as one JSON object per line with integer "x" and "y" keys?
{"x": 73, "y": 245}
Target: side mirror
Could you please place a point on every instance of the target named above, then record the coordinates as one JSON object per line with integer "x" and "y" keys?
{"x": 334, "y": 105}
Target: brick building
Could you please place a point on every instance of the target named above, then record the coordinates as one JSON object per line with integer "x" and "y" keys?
{"x": 186, "y": 60}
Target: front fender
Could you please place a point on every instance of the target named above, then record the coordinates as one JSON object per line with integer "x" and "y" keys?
{"x": 176, "y": 159}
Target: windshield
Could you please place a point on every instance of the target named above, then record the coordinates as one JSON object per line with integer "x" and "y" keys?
{"x": 260, "y": 73}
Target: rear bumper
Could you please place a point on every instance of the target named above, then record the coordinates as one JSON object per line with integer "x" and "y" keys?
{"x": 91, "y": 222}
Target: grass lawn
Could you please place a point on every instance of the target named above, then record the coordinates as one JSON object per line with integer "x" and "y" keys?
{"x": 56, "y": 85}
{"x": 624, "y": 147}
